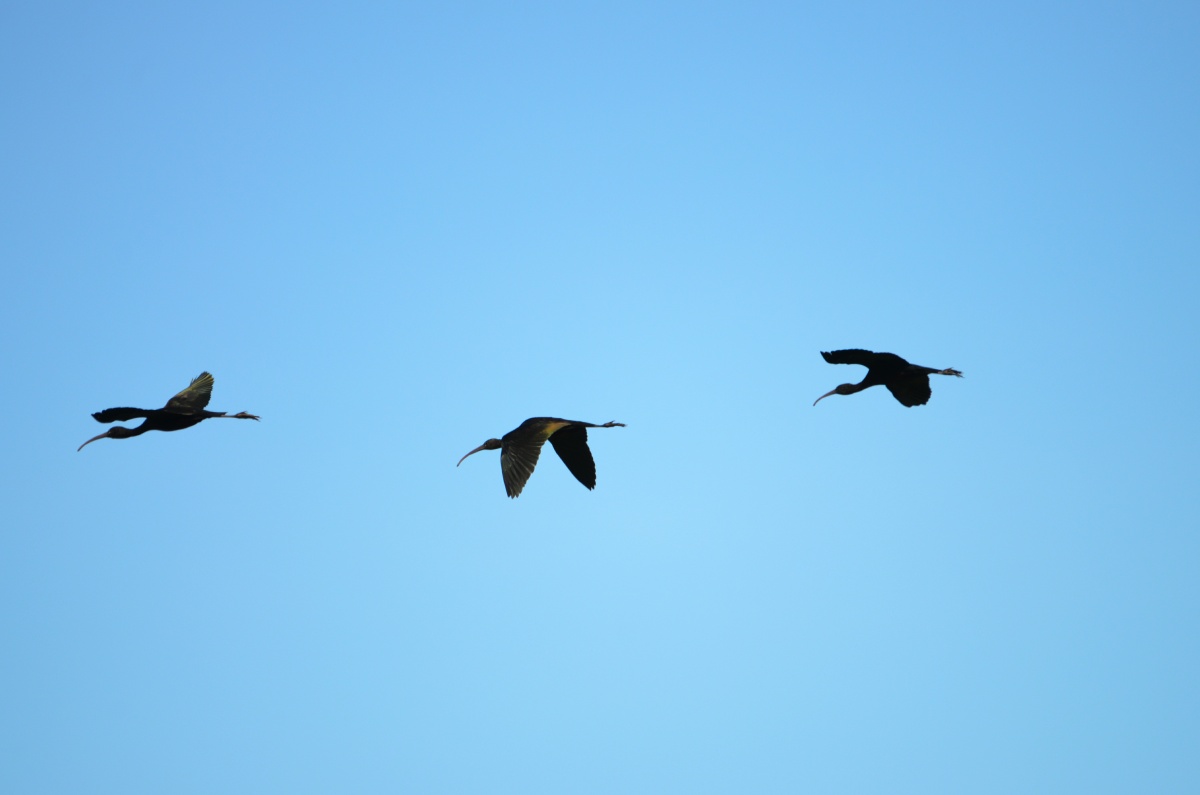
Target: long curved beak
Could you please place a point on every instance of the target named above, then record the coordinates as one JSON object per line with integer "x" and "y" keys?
{"x": 827, "y": 394}
{"x": 473, "y": 452}
{"x": 94, "y": 438}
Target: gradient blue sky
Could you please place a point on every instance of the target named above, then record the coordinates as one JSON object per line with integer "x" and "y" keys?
{"x": 395, "y": 230}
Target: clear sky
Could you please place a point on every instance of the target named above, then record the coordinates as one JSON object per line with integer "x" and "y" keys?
{"x": 394, "y": 230}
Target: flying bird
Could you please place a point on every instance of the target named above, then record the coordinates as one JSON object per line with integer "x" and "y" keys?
{"x": 908, "y": 383}
{"x": 520, "y": 448}
{"x": 182, "y": 411}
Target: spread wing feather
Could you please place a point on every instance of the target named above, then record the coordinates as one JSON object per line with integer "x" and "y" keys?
{"x": 517, "y": 461}
{"x": 121, "y": 414}
{"x": 911, "y": 391}
{"x": 194, "y": 398}
{"x": 571, "y": 445}
{"x": 865, "y": 358}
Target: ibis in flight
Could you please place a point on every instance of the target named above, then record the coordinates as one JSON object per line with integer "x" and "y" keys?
{"x": 520, "y": 448}
{"x": 182, "y": 411}
{"x": 908, "y": 383}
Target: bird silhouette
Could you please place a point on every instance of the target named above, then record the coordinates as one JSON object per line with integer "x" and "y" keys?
{"x": 520, "y": 448}
{"x": 182, "y": 411}
{"x": 908, "y": 383}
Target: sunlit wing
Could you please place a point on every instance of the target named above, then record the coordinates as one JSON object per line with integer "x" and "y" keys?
{"x": 122, "y": 414}
{"x": 517, "y": 461}
{"x": 571, "y": 445}
{"x": 194, "y": 398}
{"x": 911, "y": 391}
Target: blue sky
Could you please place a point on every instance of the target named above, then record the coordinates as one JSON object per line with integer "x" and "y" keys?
{"x": 396, "y": 230}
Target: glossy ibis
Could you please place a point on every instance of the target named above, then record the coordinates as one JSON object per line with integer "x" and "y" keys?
{"x": 182, "y": 411}
{"x": 908, "y": 383}
{"x": 520, "y": 448}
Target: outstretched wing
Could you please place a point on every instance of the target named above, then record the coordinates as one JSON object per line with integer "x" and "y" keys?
{"x": 122, "y": 414}
{"x": 571, "y": 445}
{"x": 517, "y": 460}
{"x": 194, "y": 398}
{"x": 865, "y": 358}
{"x": 911, "y": 390}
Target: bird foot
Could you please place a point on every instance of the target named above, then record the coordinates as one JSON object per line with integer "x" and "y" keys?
{"x": 951, "y": 371}
{"x": 241, "y": 415}
{"x": 611, "y": 424}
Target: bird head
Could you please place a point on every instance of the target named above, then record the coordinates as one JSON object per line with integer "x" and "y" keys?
{"x": 490, "y": 444}
{"x": 117, "y": 432}
{"x": 840, "y": 389}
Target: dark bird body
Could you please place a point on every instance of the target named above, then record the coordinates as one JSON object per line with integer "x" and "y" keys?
{"x": 908, "y": 383}
{"x": 520, "y": 448}
{"x": 182, "y": 411}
